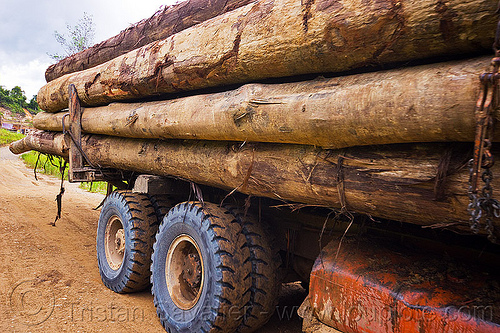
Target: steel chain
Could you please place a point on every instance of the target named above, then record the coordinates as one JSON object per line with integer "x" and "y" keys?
{"x": 474, "y": 206}
{"x": 489, "y": 205}
{"x": 483, "y": 204}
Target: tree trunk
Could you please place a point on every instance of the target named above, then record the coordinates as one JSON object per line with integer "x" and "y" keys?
{"x": 278, "y": 38}
{"x": 398, "y": 182}
{"x": 161, "y": 25}
{"x": 52, "y": 143}
{"x": 420, "y": 104}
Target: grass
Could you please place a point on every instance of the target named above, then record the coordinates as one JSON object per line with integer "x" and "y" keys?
{"x": 95, "y": 187}
{"x": 50, "y": 166}
{"x": 6, "y": 137}
{"x": 46, "y": 165}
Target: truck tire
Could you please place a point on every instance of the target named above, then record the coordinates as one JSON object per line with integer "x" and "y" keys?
{"x": 200, "y": 270}
{"x": 266, "y": 273}
{"x": 161, "y": 204}
{"x": 125, "y": 235}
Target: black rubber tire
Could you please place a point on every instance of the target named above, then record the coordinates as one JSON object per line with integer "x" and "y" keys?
{"x": 139, "y": 221}
{"x": 223, "y": 295}
{"x": 161, "y": 204}
{"x": 265, "y": 276}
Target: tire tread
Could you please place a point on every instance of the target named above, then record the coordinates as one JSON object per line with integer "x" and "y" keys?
{"x": 142, "y": 230}
{"x": 227, "y": 243}
{"x": 265, "y": 274}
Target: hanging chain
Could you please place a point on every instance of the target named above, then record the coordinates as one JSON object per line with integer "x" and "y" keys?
{"x": 481, "y": 203}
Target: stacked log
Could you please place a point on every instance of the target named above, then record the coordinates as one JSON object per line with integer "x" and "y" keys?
{"x": 161, "y": 25}
{"x": 429, "y": 103}
{"x": 298, "y": 141}
{"x": 377, "y": 180}
{"x": 279, "y": 38}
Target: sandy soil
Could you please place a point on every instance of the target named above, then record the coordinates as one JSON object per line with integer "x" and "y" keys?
{"x": 49, "y": 280}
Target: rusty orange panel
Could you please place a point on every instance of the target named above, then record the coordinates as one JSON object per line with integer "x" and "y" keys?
{"x": 368, "y": 288}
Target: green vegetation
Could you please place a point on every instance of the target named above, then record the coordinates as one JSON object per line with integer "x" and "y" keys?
{"x": 6, "y": 137}
{"x": 95, "y": 187}
{"x": 50, "y": 166}
{"x": 15, "y": 100}
{"x": 46, "y": 164}
{"x": 81, "y": 37}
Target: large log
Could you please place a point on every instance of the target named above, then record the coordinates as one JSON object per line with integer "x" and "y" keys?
{"x": 277, "y": 38}
{"x": 421, "y": 104}
{"x": 162, "y": 24}
{"x": 52, "y": 143}
{"x": 393, "y": 181}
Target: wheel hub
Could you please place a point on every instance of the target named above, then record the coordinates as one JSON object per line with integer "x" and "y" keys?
{"x": 120, "y": 241}
{"x": 184, "y": 272}
{"x": 114, "y": 242}
{"x": 191, "y": 271}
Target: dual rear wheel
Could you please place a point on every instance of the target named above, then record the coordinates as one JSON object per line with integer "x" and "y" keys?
{"x": 211, "y": 268}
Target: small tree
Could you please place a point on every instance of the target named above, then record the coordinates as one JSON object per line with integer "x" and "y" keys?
{"x": 33, "y": 106}
{"x": 81, "y": 37}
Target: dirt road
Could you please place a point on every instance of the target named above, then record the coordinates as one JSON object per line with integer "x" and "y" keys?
{"x": 49, "y": 280}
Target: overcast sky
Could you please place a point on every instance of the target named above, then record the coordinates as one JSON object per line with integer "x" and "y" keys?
{"x": 27, "y": 32}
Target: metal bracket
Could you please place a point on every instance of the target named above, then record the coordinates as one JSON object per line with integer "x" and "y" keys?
{"x": 80, "y": 167}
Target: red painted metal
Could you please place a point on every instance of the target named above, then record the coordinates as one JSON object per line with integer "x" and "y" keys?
{"x": 368, "y": 288}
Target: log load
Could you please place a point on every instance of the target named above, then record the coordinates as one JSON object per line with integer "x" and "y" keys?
{"x": 418, "y": 104}
{"x": 51, "y": 143}
{"x": 398, "y": 182}
{"x": 162, "y": 24}
{"x": 279, "y": 38}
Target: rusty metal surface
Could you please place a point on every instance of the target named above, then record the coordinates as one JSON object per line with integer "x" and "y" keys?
{"x": 311, "y": 324}
{"x": 75, "y": 130}
{"x": 483, "y": 203}
{"x": 191, "y": 270}
{"x": 367, "y": 288}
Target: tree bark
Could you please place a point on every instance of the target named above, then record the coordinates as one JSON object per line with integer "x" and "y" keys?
{"x": 52, "y": 143}
{"x": 429, "y": 103}
{"x": 278, "y": 38}
{"x": 398, "y": 182}
{"x": 161, "y": 25}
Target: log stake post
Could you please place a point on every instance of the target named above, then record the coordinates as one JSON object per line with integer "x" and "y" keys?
{"x": 75, "y": 118}
{"x": 80, "y": 167}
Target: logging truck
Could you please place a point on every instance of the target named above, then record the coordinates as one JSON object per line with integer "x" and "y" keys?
{"x": 345, "y": 144}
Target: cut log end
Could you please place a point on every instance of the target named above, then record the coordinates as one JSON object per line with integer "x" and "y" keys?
{"x": 20, "y": 146}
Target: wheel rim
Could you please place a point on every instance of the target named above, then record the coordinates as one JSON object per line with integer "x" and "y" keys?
{"x": 184, "y": 272}
{"x": 114, "y": 242}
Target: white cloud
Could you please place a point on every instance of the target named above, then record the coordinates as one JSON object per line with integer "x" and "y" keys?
{"x": 115, "y": 16}
{"x": 28, "y": 27}
{"x": 29, "y": 75}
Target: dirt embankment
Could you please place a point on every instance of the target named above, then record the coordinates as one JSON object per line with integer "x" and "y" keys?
{"x": 49, "y": 280}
